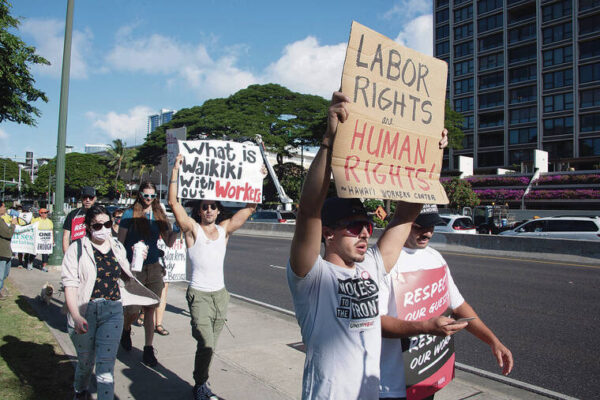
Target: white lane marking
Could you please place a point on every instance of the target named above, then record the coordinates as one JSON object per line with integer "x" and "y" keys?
{"x": 464, "y": 367}
{"x": 276, "y": 266}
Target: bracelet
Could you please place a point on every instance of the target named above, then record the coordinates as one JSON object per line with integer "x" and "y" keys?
{"x": 175, "y": 181}
{"x": 326, "y": 146}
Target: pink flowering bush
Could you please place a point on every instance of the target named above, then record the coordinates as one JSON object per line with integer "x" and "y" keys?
{"x": 565, "y": 194}
{"x": 501, "y": 194}
{"x": 568, "y": 179}
{"x": 501, "y": 180}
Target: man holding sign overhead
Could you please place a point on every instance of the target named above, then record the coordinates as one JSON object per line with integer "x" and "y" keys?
{"x": 206, "y": 242}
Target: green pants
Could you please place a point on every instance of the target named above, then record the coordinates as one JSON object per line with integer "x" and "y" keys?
{"x": 209, "y": 313}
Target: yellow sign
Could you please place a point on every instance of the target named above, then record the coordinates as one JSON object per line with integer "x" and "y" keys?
{"x": 388, "y": 147}
{"x": 380, "y": 212}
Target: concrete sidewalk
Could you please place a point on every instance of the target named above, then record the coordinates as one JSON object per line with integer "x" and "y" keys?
{"x": 257, "y": 356}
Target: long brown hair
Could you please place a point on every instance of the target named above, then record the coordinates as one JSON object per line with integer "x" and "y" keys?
{"x": 140, "y": 222}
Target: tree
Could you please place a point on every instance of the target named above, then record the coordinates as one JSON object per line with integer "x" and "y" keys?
{"x": 119, "y": 157}
{"x": 9, "y": 171}
{"x": 460, "y": 194}
{"x": 16, "y": 82}
{"x": 284, "y": 119}
{"x": 453, "y": 121}
{"x": 290, "y": 177}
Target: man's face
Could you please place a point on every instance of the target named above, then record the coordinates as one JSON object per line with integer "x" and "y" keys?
{"x": 349, "y": 238}
{"x": 117, "y": 219}
{"x": 419, "y": 236}
{"x": 44, "y": 214}
{"x": 208, "y": 211}
{"x": 88, "y": 201}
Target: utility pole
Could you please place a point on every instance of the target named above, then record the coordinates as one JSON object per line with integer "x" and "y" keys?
{"x": 58, "y": 215}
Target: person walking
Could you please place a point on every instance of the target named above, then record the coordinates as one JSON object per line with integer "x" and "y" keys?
{"x": 6, "y": 232}
{"x": 145, "y": 222}
{"x": 98, "y": 283}
{"x": 74, "y": 227}
{"x": 207, "y": 297}
{"x": 44, "y": 224}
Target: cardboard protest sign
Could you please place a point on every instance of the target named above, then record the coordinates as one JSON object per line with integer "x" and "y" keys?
{"x": 23, "y": 240}
{"x": 174, "y": 260}
{"x": 388, "y": 147}
{"x": 43, "y": 242}
{"x": 428, "y": 359}
{"x": 220, "y": 170}
{"x": 172, "y": 136}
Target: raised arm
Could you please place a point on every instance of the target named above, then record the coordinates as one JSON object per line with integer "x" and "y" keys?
{"x": 238, "y": 219}
{"x": 184, "y": 221}
{"x": 306, "y": 244}
{"x": 392, "y": 240}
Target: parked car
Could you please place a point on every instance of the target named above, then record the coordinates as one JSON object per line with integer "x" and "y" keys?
{"x": 276, "y": 216}
{"x": 560, "y": 227}
{"x": 454, "y": 223}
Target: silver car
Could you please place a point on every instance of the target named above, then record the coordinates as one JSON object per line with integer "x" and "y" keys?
{"x": 454, "y": 223}
{"x": 560, "y": 227}
{"x": 275, "y": 216}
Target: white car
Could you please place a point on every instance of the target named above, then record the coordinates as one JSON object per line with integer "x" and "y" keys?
{"x": 560, "y": 227}
{"x": 454, "y": 223}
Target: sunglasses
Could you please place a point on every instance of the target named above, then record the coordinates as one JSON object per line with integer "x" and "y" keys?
{"x": 44, "y": 212}
{"x": 355, "y": 228}
{"x": 97, "y": 226}
{"x": 149, "y": 196}
{"x": 87, "y": 197}
{"x": 212, "y": 206}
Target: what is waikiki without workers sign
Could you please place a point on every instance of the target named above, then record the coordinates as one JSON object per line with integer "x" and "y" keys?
{"x": 388, "y": 147}
{"x": 220, "y": 170}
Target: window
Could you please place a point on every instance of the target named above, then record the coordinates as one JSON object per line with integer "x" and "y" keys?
{"x": 556, "y": 33}
{"x": 571, "y": 225}
{"x": 441, "y": 16}
{"x": 589, "y": 147}
{"x": 490, "y": 42}
{"x": 558, "y": 56}
{"x": 492, "y": 159}
{"x": 523, "y": 115}
{"x": 556, "y": 10}
{"x": 463, "y": 31}
{"x": 534, "y": 226}
{"x": 521, "y": 33}
{"x": 562, "y": 149}
{"x": 463, "y": 49}
{"x": 489, "y": 100}
{"x": 491, "y": 120}
{"x": 468, "y": 122}
{"x": 491, "y": 80}
{"x": 442, "y": 48}
{"x": 463, "y": 68}
{"x": 441, "y": 3}
{"x": 467, "y": 143}
{"x": 522, "y": 53}
{"x": 463, "y": 86}
{"x": 589, "y": 73}
{"x": 519, "y": 156}
{"x": 589, "y": 98}
{"x": 589, "y": 122}
{"x": 558, "y": 102}
{"x": 522, "y": 74}
{"x": 491, "y": 139}
{"x": 491, "y": 61}
{"x": 459, "y": 2}
{"x": 589, "y": 49}
{"x": 522, "y": 95}
{"x": 523, "y": 135}
{"x": 484, "y": 6}
{"x": 587, "y": 4}
{"x": 462, "y": 105}
{"x": 558, "y": 126}
{"x": 558, "y": 79}
{"x": 522, "y": 13}
{"x": 463, "y": 14}
{"x": 442, "y": 32}
{"x": 589, "y": 25}
{"x": 489, "y": 23}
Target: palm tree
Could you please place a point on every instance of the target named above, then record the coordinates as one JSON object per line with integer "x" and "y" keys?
{"x": 117, "y": 153}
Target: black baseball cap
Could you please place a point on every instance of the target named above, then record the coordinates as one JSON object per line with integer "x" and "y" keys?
{"x": 88, "y": 191}
{"x": 429, "y": 216}
{"x": 335, "y": 209}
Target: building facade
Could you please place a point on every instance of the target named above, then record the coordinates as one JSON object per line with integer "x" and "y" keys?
{"x": 525, "y": 74}
{"x": 156, "y": 120}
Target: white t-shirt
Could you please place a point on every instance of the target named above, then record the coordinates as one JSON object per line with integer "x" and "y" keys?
{"x": 392, "y": 363}
{"x": 206, "y": 259}
{"x": 338, "y": 312}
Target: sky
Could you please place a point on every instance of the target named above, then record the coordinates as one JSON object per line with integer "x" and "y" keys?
{"x": 130, "y": 59}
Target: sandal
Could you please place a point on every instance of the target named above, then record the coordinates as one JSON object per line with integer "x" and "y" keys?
{"x": 161, "y": 330}
{"x": 140, "y": 320}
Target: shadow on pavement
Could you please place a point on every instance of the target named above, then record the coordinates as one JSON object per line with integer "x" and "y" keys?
{"x": 49, "y": 313}
{"x": 176, "y": 310}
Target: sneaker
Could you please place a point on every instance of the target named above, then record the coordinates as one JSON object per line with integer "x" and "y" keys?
{"x": 148, "y": 357}
{"x": 29, "y": 267}
{"x": 85, "y": 395}
{"x": 45, "y": 268}
{"x": 126, "y": 340}
{"x": 203, "y": 392}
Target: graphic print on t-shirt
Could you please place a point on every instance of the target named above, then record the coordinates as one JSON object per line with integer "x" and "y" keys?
{"x": 428, "y": 359}
{"x": 358, "y": 301}
{"x": 77, "y": 227}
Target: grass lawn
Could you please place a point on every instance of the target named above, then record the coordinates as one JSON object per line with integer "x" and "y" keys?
{"x": 32, "y": 364}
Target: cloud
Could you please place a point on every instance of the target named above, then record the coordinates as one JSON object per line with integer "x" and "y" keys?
{"x": 123, "y": 126}
{"x": 409, "y": 9}
{"x": 3, "y": 135}
{"x": 418, "y": 34}
{"x": 48, "y": 37}
{"x": 305, "y": 66}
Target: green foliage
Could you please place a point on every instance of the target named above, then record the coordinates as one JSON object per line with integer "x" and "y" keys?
{"x": 16, "y": 82}
{"x": 380, "y": 223}
{"x": 453, "y": 121}
{"x": 460, "y": 194}
{"x": 119, "y": 158}
{"x": 11, "y": 173}
{"x": 290, "y": 177}
{"x": 372, "y": 204}
{"x": 283, "y": 118}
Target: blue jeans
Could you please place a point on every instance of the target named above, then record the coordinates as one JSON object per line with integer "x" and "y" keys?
{"x": 4, "y": 270}
{"x": 99, "y": 344}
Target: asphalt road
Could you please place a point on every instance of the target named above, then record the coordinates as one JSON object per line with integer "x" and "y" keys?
{"x": 546, "y": 313}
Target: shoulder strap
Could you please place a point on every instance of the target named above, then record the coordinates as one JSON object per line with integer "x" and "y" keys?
{"x": 79, "y": 249}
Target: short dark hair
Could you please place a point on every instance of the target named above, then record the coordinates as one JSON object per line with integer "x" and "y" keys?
{"x": 92, "y": 212}
{"x": 118, "y": 210}
{"x": 196, "y": 208}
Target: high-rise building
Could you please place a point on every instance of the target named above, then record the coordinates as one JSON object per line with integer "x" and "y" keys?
{"x": 525, "y": 74}
{"x": 156, "y": 120}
